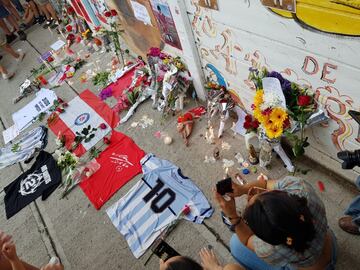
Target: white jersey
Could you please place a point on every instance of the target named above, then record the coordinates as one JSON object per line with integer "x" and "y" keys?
{"x": 155, "y": 202}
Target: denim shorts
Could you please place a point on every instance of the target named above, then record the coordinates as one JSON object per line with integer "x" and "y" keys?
{"x": 250, "y": 261}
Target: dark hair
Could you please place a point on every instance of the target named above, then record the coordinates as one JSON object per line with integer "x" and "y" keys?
{"x": 280, "y": 218}
{"x": 183, "y": 263}
{"x": 158, "y": 8}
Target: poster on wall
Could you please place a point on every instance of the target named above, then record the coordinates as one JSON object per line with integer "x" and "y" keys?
{"x": 166, "y": 23}
{"x": 211, "y": 4}
{"x": 288, "y": 5}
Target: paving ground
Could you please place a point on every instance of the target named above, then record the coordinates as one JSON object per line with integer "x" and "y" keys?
{"x": 85, "y": 238}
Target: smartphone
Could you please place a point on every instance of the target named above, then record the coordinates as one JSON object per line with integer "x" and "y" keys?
{"x": 163, "y": 250}
{"x": 224, "y": 186}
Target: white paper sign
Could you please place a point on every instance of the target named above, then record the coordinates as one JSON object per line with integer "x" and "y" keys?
{"x": 57, "y": 45}
{"x": 273, "y": 86}
{"x": 10, "y": 134}
{"x": 27, "y": 115}
{"x": 239, "y": 126}
{"x": 141, "y": 12}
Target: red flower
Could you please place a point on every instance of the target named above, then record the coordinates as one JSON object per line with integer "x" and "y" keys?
{"x": 248, "y": 118}
{"x": 255, "y": 124}
{"x": 107, "y": 14}
{"x": 50, "y": 59}
{"x": 60, "y": 100}
{"x": 186, "y": 210}
{"x": 60, "y": 110}
{"x": 267, "y": 111}
{"x": 69, "y": 28}
{"x": 106, "y": 140}
{"x": 113, "y": 12}
{"x": 70, "y": 37}
{"x": 103, "y": 126}
{"x": 286, "y": 123}
{"x": 70, "y": 10}
{"x": 247, "y": 125}
{"x": 304, "y": 101}
{"x": 97, "y": 28}
{"x": 65, "y": 105}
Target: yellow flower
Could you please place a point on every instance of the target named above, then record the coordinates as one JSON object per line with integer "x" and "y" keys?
{"x": 268, "y": 124}
{"x": 274, "y": 132}
{"x": 258, "y": 115}
{"x": 278, "y": 116}
{"x": 259, "y": 98}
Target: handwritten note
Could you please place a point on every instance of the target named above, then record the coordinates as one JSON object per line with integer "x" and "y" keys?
{"x": 272, "y": 85}
{"x": 141, "y": 12}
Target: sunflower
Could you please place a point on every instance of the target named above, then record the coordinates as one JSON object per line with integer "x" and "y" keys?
{"x": 274, "y": 132}
{"x": 259, "y": 98}
{"x": 278, "y": 116}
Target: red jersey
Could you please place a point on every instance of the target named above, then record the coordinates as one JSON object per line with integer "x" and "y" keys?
{"x": 120, "y": 162}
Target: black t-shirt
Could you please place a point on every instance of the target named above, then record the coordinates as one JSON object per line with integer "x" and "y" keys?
{"x": 41, "y": 179}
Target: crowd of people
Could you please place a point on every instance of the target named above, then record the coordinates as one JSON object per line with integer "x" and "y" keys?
{"x": 16, "y": 17}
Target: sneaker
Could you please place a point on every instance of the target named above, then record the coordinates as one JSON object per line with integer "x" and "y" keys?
{"x": 40, "y": 20}
{"x": 55, "y": 24}
{"x": 346, "y": 224}
{"x": 8, "y": 76}
{"x": 10, "y": 38}
{"x": 47, "y": 23}
{"x": 22, "y": 35}
{"x": 21, "y": 55}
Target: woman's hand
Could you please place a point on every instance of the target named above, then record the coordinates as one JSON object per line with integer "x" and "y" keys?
{"x": 228, "y": 207}
{"x": 9, "y": 251}
{"x": 238, "y": 190}
{"x": 4, "y": 238}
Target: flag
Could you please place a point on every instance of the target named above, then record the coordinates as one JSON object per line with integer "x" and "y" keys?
{"x": 84, "y": 110}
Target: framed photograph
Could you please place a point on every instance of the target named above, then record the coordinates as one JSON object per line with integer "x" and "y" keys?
{"x": 166, "y": 23}
{"x": 286, "y": 5}
{"x": 211, "y": 4}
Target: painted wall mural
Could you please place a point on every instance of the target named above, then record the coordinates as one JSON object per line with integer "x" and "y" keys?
{"x": 229, "y": 43}
{"x": 332, "y": 16}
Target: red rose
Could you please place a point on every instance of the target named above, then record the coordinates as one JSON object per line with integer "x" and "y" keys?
{"x": 70, "y": 10}
{"x": 304, "y": 101}
{"x": 186, "y": 210}
{"x": 69, "y": 28}
{"x": 60, "y": 110}
{"x": 107, "y": 14}
{"x": 267, "y": 111}
{"x": 247, "y": 125}
{"x": 103, "y": 126}
{"x": 65, "y": 105}
{"x": 60, "y": 100}
{"x": 255, "y": 124}
{"x": 70, "y": 37}
{"x": 106, "y": 140}
{"x": 50, "y": 59}
{"x": 113, "y": 12}
{"x": 248, "y": 118}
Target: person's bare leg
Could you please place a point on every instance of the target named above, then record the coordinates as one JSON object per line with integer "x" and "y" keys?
{"x": 13, "y": 22}
{"x": 4, "y": 27}
{"x": 11, "y": 51}
{"x": 34, "y": 9}
{"x": 9, "y": 6}
{"x": 46, "y": 12}
{"x": 52, "y": 11}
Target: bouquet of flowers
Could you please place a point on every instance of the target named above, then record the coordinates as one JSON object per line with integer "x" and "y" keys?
{"x": 277, "y": 120}
{"x": 270, "y": 114}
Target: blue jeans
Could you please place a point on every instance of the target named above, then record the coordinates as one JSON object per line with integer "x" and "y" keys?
{"x": 250, "y": 261}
